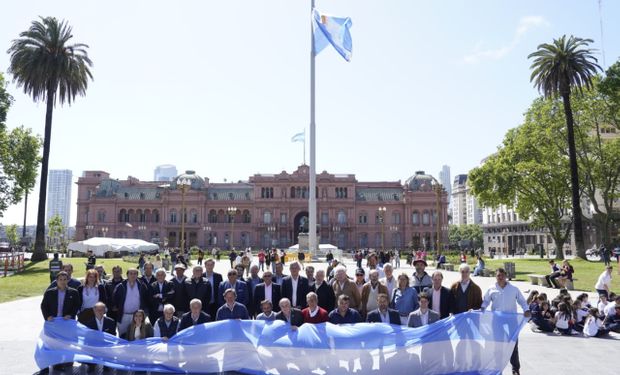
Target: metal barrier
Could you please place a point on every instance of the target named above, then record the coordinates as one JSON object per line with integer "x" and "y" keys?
{"x": 12, "y": 262}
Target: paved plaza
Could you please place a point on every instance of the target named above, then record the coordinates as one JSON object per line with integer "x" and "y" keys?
{"x": 540, "y": 353}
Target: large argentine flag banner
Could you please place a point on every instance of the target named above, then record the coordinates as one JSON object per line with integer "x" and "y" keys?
{"x": 469, "y": 343}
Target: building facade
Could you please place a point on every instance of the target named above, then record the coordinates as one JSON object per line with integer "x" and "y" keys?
{"x": 465, "y": 209}
{"x": 166, "y": 172}
{"x": 267, "y": 210}
{"x": 59, "y": 195}
{"x": 445, "y": 180}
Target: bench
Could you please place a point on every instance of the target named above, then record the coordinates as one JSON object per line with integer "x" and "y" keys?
{"x": 538, "y": 280}
{"x": 448, "y": 267}
{"x": 566, "y": 283}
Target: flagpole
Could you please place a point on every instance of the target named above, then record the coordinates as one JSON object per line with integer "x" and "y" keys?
{"x": 304, "y": 158}
{"x": 312, "y": 241}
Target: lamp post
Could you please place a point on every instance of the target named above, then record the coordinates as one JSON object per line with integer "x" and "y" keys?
{"x": 393, "y": 229}
{"x": 232, "y": 210}
{"x": 183, "y": 184}
{"x": 206, "y": 229}
{"x": 381, "y": 213}
{"x": 142, "y": 228}
{"x": 89, "y": 228}
{"x": 271, "y": 229}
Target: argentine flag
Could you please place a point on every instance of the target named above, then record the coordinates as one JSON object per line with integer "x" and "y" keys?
{"x": 332, "y": 30}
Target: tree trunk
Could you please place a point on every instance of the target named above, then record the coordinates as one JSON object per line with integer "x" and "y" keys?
{"x": 574, "y": 177}
{"x": 25, "y": 213}
{"x": 39, "y": 246}
{"x": 559, "y": 249}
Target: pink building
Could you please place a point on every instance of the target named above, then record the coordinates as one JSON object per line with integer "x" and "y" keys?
{"x": 269, "y": 210}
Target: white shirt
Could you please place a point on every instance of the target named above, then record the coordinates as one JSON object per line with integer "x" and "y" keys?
{"x": 294, "y": 297}
{"x": 99, "y": 324}
{"x": 464, "y": 285}
{"x": 372, "y": 298}
{"x": 504, "y": 299}
{"x": 268, "y": 292}
{"x": 424, "y": 317}
{"x": 313, "y": 313}
{"x": 385, "y": 316}
{"x": 90, "y": 296}
{"x": 603, "y": 280}
{"x": 389, "y": 284}
{"x": 436, "y": 301}
{"x": 136, "y": 333}
{"x": 210, "y": 278}
{"x": 611, "y": 307}
{"x": 561, "y": 320}
{"x": 591, "y": 326}
{"x": 602, "y": 307}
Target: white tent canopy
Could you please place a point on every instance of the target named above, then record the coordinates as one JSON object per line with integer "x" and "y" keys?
{"x": 101, "y": 245}
{"x": 323, "y": 248}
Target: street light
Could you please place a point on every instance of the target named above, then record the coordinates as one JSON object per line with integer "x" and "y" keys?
{"x": 104, "y": 230}
{"x": 381, "y": 213}
{"x": 272, "y": 229}
{"x": 142, "y": 228}
{"x": 89, "y": 228}
{"x": 206, "y": 229}
{"x": 393, "y": 229}
{"x": 184, "y": 184}
{"x": 232, "y": 210}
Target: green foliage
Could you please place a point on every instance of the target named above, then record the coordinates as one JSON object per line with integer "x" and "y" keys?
{"x": 530, "y": 172}
{"x": 19, "y": 157}
{"x": 55, "y": 227}
{"x": 12, "y": 235}
{"x": 469, "y": 232}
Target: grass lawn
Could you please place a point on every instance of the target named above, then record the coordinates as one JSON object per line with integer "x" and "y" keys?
{"x": 35, "y": 278}
{"x": 586, "y": 272}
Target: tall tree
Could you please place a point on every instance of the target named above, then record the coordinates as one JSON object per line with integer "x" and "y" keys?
{"x": 557, "y": 69}
{"x": 51, "y": 70}
{"x": 55, "y": 229}
{"x": 11, "y": 235}
{"x": 19, "y": 157}
{"x": 530, "y": 173}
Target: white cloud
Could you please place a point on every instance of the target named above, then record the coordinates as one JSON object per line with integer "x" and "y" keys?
{"x": 525, "y": 25}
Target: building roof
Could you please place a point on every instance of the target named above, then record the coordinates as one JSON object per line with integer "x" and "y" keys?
{"x": 378, "y": 194}
{"x": 420, "y": 181}
{"x": 230, "y": 193}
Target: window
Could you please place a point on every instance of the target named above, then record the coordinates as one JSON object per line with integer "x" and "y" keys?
{"x": 156, "y": 216}
{"x": 283, "y": 219}
{"x": 363, "y": 219}
{"x": 193, "y": 217}
{"x": 142, "y": 217}
{"x": 101, "y": 216}
{"x": 267, "y": 217}
{"x": 415, "y": 218}
{"x": 266, "y": 193}
{"x": 247, "y": 218}
{"x": 324, "y": 218}
{"x": 293, "y": 192}
{"x": 342, "y": 193}
{"x": 396, "y": 218}
{"x": 212, "y": 216}
{"x": 173, "y": 216}
{"x": 426, "y": 218}
{"x": 342, "y": 217}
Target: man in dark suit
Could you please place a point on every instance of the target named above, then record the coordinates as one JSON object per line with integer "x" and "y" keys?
{"x": 441, "y": 300}
{"x": 100, "y": 322}
{"x": 243, "y": 292}
{"x": 110, "y": 285}
{"x": 195, "y": 316}
{"x": 295, "y": 287}
{"x": 60, "y": 301}
{"x": 129, "y": 296}
{"x": 148, "y": 278}
{"x": 198, "y": 287}
{"x": 161, "y": 292}
{"x": 266, "y": 290}
{"x": 179, "y": 301}
{"x": 383, "y": 314}
{"x": 290, "y": 315}
{"x": 214, "y": 280}
{"x": 325, "y": 292}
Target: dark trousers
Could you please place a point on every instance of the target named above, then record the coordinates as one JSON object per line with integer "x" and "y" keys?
{"x": 551, "y": 279}
{"x": 514, "y": 358}
{"x": 602, "y": 291}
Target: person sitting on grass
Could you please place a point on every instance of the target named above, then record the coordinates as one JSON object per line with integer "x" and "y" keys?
{"x": 564, "y": 319}
{"x": 579, "y": 315}
{"x": 601, "y": 305}
{"x": 478, "y": 270}
{"x": 593, "y": 326}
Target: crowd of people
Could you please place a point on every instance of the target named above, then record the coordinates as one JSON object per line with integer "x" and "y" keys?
{"x": 140, "y": 306}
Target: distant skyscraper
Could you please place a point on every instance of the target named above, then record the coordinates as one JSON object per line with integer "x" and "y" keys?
{"x": 59, "y": 195}
{"x": 445, "y": 180}
{"x": 166, "y": 172}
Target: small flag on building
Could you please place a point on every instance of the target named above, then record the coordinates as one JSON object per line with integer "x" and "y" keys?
{"x": 299, "y": 137}
{"x": 332, "y": 30}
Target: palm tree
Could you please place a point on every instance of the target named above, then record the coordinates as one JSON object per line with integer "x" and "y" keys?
{"x": 50, "y": 70}
{"x": 557, "y": 68}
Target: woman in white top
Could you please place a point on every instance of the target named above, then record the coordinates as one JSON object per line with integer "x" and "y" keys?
{"x": 593, "y": 326}
{"x": 563, "y": 319}
{"x": 91, "y": 292}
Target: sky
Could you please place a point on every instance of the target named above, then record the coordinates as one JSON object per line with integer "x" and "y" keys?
{"x": 220, "y": 87}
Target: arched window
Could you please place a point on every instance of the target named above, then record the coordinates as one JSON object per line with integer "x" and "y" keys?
{"x": 173, "y": 216}
{"x": 122, "y": 216}
{"x": 293, "y": 192}
{"x": 267, "y": 217}
{"x": 426, "y": 218}
{"x": 212, "y": 216}
{"x": 342, "y": 217}
{"x": 101, "y": 216}
{"x": 415, "y": 218}
{"x": 140, "y": 215}
{"x": 156, "y": 216}
{"x": 247, "y": 218}
{"x": 396, "y": 218}
{"x": 193, "y": 216}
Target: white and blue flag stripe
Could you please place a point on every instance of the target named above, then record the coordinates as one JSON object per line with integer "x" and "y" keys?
{"x": 470, "y": 343}
{"x": 332, "y": 30}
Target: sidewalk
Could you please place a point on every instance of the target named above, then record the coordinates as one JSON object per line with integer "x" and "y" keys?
{"x": 539, "y": 353}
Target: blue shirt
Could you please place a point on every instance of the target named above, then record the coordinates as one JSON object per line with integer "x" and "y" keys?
{"x": 504, "y": 299}
{"x": 61, "y": 301}
{"x": 238, "y": 312}
{"x": 405, "y": 301}
{"x": 350, "y": 317}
